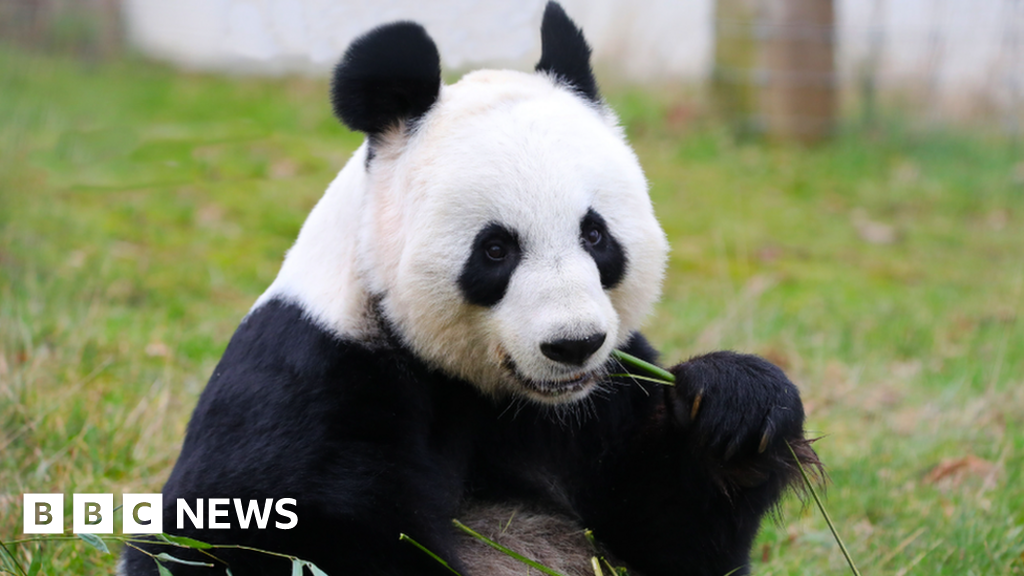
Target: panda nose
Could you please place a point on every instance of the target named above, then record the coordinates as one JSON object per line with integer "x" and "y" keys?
{"x": 569, "y": 351}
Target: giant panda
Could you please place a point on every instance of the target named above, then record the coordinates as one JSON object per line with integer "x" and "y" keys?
{"x": 438, "y": 343}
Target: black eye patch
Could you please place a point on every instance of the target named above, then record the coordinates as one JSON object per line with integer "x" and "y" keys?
{"x": 603, "y": 248}
{"x": 491, "y": 262}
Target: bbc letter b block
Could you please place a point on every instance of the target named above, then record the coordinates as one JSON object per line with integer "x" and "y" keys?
{"x": 44, "y": 513}
{"x": 92, "y": 513}
{"x": 142, "y": 513}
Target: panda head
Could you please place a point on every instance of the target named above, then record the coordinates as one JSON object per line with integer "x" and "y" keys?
{"x": 500, "y": 225}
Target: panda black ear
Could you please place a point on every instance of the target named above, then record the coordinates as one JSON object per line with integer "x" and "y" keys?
{"x": 564, "y": 52}
{"x": 390, "y": 74}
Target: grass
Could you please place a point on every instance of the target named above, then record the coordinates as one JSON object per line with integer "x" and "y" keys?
{"x": 143, "y": 210}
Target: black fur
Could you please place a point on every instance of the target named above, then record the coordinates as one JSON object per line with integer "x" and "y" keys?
{"x": 372, "y": 443}
{"x": 389, "y": 75}
{"x": 484, "y": 279}
{"x": 609, "y": 255}
{"x": 565, "y": 53}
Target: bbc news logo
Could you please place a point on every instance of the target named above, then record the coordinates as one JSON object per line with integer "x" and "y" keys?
{"x": 93, "y": 513}
{"x": 143, "y": 513}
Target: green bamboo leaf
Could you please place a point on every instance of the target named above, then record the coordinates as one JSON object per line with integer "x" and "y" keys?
{"x": 620, "y": 571}
{"x": 187, "y": 542}
{"x": 651, "y": 369}
{"x": 37, "y": 562}
{"x": 824, "y": 512}
{"x": 162, "y": 569}
{"x": 506, "y": 551}
{"x": 227, "y": 572}
{"x": 644, "y": 378}
{"x": 96, "y": 542}
{"x": 168, "y": 558}
{"x": 296, "y": 567}
{"x": 315, "y": 569}
{"x": 406, "y": 538}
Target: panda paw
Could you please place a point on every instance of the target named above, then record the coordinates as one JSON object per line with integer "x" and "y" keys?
{"x": 738, "y": 411}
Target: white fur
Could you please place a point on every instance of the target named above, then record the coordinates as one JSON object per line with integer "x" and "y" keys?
{"x": 553, "y": 540}
{"x": 498, "y": 146}
{"x": 320, "y": 270}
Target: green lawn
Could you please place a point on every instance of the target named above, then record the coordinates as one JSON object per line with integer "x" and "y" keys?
{"x": 143, "y": 210}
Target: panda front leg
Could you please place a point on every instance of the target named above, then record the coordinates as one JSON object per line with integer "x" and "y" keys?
{"x": 690, "y": 491}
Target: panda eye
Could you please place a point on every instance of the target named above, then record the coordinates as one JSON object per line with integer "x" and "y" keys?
{"x": 602, "y": 246}
{"x": 495, "y": 251}
{"x": 493, "y": 257}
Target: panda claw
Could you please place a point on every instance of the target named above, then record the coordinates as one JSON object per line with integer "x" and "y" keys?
{"x": 696, "y": 405}
{"x": 731, "y": 449}
{"x": 769, "y": 430}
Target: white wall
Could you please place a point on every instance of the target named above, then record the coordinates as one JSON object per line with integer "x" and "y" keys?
{"x": 644, "y": 39}
{"x": 957, "y": 48}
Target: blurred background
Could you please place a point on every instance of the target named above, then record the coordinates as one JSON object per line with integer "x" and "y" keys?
{"x": 945, "y": 60}
{"x": 842, "y": 183}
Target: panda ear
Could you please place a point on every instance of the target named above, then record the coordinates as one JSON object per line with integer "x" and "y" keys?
{"x": 565, "y": 53}
{"x": 388, "y": 75}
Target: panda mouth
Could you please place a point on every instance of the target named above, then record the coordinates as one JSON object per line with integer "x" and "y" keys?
{"x": 553, "y": 390}
{"x": 558, "y": 388}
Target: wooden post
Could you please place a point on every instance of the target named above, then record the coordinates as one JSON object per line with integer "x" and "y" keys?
{"x": 775, "y": 67}
{"x": 733, "y": 82}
